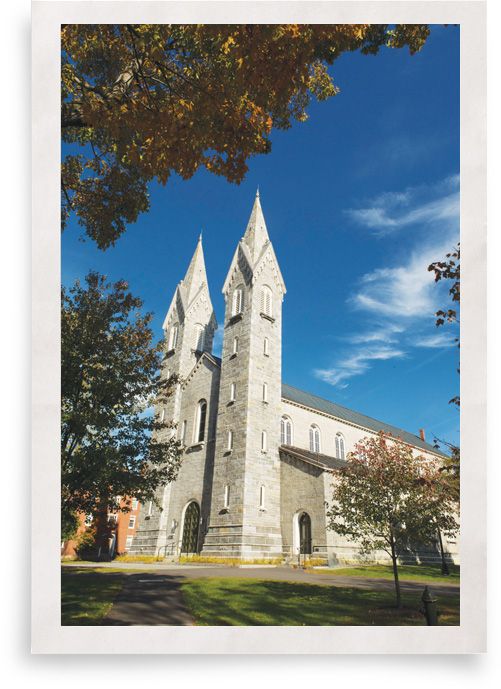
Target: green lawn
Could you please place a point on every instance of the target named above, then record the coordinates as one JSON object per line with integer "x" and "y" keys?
{"x": 233, "y": 601}
{"x": 87, "y": 595}
{"x": 425, "y": 573}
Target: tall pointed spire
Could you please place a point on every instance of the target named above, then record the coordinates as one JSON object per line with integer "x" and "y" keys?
{"x": 256, "y": 234}
{"x": 195, "y": 275}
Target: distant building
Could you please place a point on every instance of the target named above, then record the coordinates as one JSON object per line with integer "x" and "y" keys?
{"x": 256, "y": 471}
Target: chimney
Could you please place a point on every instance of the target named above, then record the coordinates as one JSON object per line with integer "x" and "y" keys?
{"x": 421, "y": 434}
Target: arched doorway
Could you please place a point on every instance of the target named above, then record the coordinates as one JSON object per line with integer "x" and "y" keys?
{"x": 191, "y": 526}
{"x": 305, "y": 534}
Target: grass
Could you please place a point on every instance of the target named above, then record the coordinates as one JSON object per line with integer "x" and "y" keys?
{"x": 425, "y": 573}
{"x": 87, "y": 595}
{"x": 232, "y": 601}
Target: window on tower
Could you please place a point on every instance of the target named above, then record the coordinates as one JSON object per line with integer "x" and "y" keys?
{"x": 201, "y": 418}
{"x": 199, "y": 338}
{"x": 238, "y": 301}
{"x": 266, "y": 300}
{"x": 266, "y": 347}
{"x": 235, "y": 345}
{"x": 264, "y": 441}
{"x": 173, "y": 337}
{"x": 233, "y": 392}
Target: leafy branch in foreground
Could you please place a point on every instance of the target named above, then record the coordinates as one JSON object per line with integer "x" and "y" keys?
{"x": 111, "y": 444}
{"x": 143, "y": 101}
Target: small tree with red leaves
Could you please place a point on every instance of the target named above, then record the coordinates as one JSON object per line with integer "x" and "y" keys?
{"x": 386, "y": 498}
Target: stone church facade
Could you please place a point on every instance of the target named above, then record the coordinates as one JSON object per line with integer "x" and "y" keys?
{"x": 259, "y": 455}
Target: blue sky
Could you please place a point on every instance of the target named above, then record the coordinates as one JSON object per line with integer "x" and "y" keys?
{"x": 358, "y": 201}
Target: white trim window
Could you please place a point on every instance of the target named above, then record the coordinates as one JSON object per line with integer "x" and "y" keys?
{"x": 199, "y": 338}
{"x": 266, "y": 300}
{"x": 314, "y": 439}
{"x": 235, "y": 345}
{"x": 264, "y": 441}
{"x": 201, "y": 417}
{"x": 265, "y": 392}
{"x": 233, "y": 392}
{"x": 135, "y": 503}
{"x": 266, "y": 347}
{"x": 237, "y": 305}
{"x": 285, "y": 431}
{"x": 226, "y": 502}
{"x": 340, "y": 453}
{"x": 229, "y": 445}
{"x": 128, "y": 543}
{"x": 173, "y": 337}
{"x": 261, "y": 498}
{"x": 132, "y": 522}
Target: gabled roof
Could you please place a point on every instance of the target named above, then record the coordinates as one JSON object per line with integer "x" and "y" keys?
{"x": 315, "y": 458}
{"x": 306, "y": 399}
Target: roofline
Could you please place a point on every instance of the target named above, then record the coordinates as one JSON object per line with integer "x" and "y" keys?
{"x": 356, "y": 425}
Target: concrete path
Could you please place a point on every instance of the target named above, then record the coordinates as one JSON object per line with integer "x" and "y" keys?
{"x": 149, "y": 599}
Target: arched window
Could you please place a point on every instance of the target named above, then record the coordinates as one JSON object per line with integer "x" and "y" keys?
{"x": 237, "y": 305}
{"x": 230, "y": 440}
{"x": 226, "y": 496}
{"x": 233, "y": 392}
{"x": 265, "y": 392}
{"x": 173, "y": 336}
{"x": 200, "y": 423}
{"x": 285, "y": 431}
{"x": 266, "y": 347}
{"x": 198, "y": 343}
{"x": 235, "y": 345}
{"x": 314, "y": 439}
{"x": 339, "y": 446}
{"x": 261, "y": 498}
{"x": 162, "y": 416}
{"x": 266, "y": 300}
{"x": 264, "y": 441}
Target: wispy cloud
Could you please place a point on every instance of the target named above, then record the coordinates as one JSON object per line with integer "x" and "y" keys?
{"x": 357, "y": 363}
{"x": 399, "y": 299}
{"x": 392, "y": 211}
{"x": 438, "y": 341}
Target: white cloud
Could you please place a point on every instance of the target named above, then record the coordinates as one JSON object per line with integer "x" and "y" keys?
{"x": 437, "y": 341}
{"x": 357, "y": 363}
{"x": 398, "y": 298}
{"x": 392, "y": 211}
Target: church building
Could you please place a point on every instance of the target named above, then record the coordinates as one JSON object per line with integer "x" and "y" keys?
{"x": 259, "y": 455}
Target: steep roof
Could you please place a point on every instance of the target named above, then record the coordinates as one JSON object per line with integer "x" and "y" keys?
{"x": 332, "y": 409}
{"x": 256, "y": 234}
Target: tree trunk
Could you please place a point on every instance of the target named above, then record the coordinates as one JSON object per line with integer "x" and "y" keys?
{"x": 102, "y": 530}
{"x": 395, "y": 572}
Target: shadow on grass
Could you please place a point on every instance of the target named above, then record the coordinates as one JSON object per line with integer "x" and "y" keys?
{"x": 218, "y": 601}
{"x": 86, "y": 597}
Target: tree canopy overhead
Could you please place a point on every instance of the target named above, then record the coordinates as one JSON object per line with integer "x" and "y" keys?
{"x": 146, "y": 101}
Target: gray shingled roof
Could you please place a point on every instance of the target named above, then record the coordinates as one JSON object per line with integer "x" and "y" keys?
{"x": 354, "y": 417}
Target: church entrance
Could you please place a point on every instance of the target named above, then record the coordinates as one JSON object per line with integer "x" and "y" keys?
{"x": 305, "y": 534}
{"x": 191, "y": 527}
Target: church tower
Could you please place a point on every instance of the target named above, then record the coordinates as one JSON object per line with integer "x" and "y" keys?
{"x": 245, "y": 508}
{"x": 189, "y": 328}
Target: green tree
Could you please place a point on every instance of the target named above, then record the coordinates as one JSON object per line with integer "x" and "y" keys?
{"x": 388, "y": 499}
{"x": 145, "y": 101}
{"x": 110, "y": 445}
